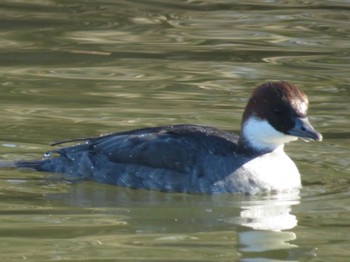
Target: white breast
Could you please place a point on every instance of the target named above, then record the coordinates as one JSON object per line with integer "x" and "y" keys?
{"x": 273, "y": 171}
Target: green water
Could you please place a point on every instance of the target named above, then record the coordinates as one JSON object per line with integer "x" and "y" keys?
{"x": 71, "y": 69}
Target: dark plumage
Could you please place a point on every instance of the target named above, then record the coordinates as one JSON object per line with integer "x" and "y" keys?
{"x": 181, "y": 158}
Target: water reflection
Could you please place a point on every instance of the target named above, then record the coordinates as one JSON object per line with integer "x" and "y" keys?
{"x": 264, "y": 223}
{"x": 270, "y": 214}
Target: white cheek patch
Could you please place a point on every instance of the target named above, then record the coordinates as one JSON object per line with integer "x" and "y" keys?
{"x": 262, "y": 136}
{"x": 303, "y": 107}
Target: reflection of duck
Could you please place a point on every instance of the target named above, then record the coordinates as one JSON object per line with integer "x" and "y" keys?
{"x": 259, "y": 242}
{"x": 190, "y": 158}
{"x": 263, "y": 222}
{"x": 270, "y": 214}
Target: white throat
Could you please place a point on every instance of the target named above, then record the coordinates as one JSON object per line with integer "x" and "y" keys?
{"x": 262, "y": 136}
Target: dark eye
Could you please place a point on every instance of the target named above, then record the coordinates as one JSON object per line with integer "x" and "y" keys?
{"x": 277, "y": 111}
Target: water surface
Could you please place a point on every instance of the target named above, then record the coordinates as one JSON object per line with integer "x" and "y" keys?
{"x": 84, "y": 68}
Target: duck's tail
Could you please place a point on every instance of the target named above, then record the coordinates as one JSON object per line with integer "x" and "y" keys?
{"x": 7, "y": 164}
{"x": 34, "y": 164}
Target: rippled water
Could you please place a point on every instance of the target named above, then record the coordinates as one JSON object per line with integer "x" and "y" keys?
{"x": 72, "y": 69}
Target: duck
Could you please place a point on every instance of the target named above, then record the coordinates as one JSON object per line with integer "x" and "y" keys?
{"x": 189, "y": 158}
